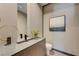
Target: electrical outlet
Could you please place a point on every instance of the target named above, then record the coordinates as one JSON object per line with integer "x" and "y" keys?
{"x": 0, "y": 22}
{"x": 0, "y": 19}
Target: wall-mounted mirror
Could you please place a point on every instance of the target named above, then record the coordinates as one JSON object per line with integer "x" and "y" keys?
{"x": 21, "y": 20}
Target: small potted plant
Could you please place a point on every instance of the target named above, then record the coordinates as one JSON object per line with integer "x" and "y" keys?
{"x": 35, "y": 33}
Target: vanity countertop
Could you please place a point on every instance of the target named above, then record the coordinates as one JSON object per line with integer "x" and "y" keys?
{"x": 19, "y": 47}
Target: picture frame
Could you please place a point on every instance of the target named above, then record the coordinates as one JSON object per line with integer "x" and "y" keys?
{"x": 57, "y": 23}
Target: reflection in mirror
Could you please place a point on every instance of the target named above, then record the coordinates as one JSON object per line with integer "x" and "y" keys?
{"x": 21, "y": 20}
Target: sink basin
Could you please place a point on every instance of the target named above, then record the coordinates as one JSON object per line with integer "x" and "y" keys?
{"x": 28, "y": 39}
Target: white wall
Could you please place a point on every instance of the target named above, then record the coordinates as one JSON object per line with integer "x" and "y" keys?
{"x": 8, "y": 26}
{"x": 65, "y": 41}
{"x": 34, "y": 18}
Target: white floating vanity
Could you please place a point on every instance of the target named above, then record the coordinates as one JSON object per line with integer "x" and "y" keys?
{"x": 34, "y": 47}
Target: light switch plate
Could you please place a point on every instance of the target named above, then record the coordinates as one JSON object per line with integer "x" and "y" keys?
{"x": 0, "y": 20}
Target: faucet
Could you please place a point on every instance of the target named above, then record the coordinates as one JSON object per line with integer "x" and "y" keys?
{"x": 25, "y": 36}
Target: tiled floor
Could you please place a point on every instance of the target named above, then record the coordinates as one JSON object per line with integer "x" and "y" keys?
{"x": 55, "y": 53}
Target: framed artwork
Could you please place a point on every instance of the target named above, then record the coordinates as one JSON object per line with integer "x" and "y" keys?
{"x": 57, "y": 23}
